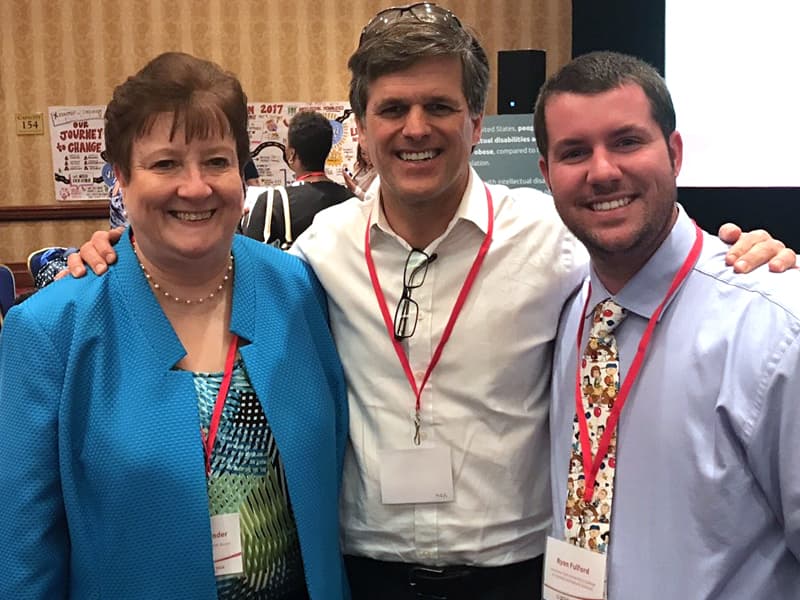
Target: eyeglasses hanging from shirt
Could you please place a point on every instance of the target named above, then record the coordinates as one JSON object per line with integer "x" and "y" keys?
{"x": 407, "y": 312}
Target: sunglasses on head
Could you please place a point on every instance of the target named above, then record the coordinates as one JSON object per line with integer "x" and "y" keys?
{"x": 424, "y": 12}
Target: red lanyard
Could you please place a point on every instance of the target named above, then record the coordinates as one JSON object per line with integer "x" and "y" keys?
{"x": 462, "y": 296}
{"x": 591, "y": 467}
{"x": 311, "y": 174}
{"x": 222, "y": 395}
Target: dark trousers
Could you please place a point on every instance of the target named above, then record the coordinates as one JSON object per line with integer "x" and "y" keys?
{"x": 379, "y": 580}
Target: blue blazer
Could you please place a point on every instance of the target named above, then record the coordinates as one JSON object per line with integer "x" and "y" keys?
{"x": 101, "y": 466}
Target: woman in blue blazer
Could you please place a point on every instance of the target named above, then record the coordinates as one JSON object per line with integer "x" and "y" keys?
{"x": 176, "y": 428}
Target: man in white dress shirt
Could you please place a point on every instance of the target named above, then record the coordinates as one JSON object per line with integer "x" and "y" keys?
{"x": 440, "y": 280}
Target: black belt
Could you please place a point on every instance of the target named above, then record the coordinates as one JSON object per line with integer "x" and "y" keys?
{"x": 452, "y": 582}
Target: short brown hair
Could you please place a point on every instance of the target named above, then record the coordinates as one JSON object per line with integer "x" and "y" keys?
{"x": 599, "y": 72}
{"x": 408, "y": 41}
{"x": 202, "y": 97}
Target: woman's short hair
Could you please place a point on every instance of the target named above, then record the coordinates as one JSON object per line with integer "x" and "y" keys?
{"x": 203, "y": 98}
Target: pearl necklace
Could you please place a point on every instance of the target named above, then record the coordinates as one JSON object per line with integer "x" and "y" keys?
{"x": 157, "y": 287}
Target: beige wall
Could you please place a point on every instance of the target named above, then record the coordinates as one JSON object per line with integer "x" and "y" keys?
{"x": 73, "y": 52}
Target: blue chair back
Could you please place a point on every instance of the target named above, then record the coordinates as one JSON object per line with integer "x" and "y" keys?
{"x": 7, "y": 289}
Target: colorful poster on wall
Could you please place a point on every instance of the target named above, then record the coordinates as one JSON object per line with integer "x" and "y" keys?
{"x": 268, "y": 123}
{"x": 268, "y": 127}
{"x": 76, "y": 139}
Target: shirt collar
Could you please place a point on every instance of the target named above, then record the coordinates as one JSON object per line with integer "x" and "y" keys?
{"x": 472, "y": 209}
{"x": 647, "y": 289}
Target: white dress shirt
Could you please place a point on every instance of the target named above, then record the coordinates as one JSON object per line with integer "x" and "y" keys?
{"x": 487, "y": 399}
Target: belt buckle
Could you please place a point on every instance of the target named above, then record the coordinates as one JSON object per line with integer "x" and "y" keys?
{"x": 435, "y": 583}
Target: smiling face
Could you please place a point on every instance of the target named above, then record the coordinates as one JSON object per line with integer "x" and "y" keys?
{"x": 612, "y": 173}
{"x": 183, "y": 199}
{"x": 418, "y": 132}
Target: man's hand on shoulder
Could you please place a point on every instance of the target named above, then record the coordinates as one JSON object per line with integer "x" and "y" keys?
{"x": 752, "y": 249}
{"x": 98, "y": 253}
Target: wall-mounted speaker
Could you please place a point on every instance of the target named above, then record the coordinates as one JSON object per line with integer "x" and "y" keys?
{"x": 520, "y": 74}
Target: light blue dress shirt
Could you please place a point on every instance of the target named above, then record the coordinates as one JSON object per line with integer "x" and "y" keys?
{"x": 707, "y": 486}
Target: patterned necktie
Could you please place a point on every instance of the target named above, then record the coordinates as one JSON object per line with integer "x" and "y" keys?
{"x": 588, "y": 523}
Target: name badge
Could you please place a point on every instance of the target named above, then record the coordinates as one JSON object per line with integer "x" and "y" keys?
{"x": 416, "y": 475}
{"x": 227, "y": 544}
{"x": 573, "y": 573}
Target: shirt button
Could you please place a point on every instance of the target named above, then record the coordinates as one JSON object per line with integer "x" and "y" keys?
{"x": 419, "y": 375}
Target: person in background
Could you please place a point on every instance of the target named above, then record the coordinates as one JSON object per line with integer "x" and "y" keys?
{"x": 175, "y": 429}
{"x": 48, "y": 264}
{"x": 359, "y": 180}
{"x": 251, "y": 173}
{"x": 309, "y": 141}
{"x": 116, "y": 207}
{"x": 444, "y": 297}
{"x": 705, "y": 498}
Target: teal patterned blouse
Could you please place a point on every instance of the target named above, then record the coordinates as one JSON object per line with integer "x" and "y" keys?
{"x": 247, "y": 477}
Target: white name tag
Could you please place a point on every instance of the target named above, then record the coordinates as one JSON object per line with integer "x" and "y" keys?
{"x": 416, "y": 475}
{"x": 227, "y": 544}
{"x": 573, "y": 573}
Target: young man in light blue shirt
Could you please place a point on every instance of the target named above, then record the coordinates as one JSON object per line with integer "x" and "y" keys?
{"x": 706, "y": 498}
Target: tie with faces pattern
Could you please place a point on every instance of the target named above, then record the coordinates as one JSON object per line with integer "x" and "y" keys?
{"x": 588, "y": 522}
